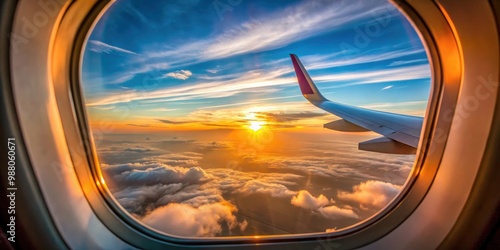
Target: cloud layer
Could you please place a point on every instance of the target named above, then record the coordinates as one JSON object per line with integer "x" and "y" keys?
{"x": 173, "y": 193}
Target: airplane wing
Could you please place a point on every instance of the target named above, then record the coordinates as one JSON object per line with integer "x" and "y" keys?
{"x": 400, "y": 133}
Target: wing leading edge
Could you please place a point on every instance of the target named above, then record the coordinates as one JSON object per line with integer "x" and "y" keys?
{"x": 400, "y": 133}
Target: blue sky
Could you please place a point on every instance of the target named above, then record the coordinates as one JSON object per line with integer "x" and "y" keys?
{"x": 178, "y": 60}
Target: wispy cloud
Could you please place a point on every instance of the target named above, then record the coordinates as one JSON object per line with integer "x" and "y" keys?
{"x": 338, "y": 59}
{"x": 254, "y": 101}
{"x": 251, "y": 81}
{"x": 174, "y": 122}
{"x": 394, "y": 104}
{"x": 377, "y": 76}
{"x": 100, "y": 47}
{"x": 289, "y": 117}
{"x": 163, "y": 110}
{"x": 139, "y": 125}
{"x": 120, "y": 79}
{"x": 387, "y": 87}
{"x": 261, "y": 81}
{"x": 287, "y": 26}
{"x": 397, "y": 63}
{"x": 281, "y": 115}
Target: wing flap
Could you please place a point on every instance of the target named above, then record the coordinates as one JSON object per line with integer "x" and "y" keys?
{"x": 344, "y": 126}
{"x": 386, "y": 145}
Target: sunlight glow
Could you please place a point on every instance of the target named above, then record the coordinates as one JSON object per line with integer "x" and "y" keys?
{"x": 255, "y": 125}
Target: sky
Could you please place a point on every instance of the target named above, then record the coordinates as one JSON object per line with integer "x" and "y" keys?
{"x": 195, "y": 111}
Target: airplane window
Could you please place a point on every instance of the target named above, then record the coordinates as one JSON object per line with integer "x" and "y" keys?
{"x": 244, "y": 118}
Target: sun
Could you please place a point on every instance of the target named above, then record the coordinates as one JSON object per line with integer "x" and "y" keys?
{"x": 255, "y": 125}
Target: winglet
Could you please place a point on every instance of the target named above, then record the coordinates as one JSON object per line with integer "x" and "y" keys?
{"x": 307, "y": 86}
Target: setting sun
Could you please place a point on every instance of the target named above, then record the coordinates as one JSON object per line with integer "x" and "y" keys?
{"x": 255, "y": 125}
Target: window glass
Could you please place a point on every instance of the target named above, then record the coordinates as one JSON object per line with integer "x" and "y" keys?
{"x": 201, "y": 128}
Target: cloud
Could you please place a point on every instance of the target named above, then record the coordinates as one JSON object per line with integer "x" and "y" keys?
{"x": 334, "y": 212}
{"x": 186, "y": 220}
{"x": 260, "y": 81}
{"x": 289, "y": 117}
{"x": 340, "y": 158}
{"x": 397, "y": 63}
{"x": 174, "y": 122}
{"x": 194, "y": 195}
{"x": 163, "y": 109}
{"x": 371, "y": 194}
{"x": 100, "y": 47}
{"x": 218, "y": 125}
{"x": 322, "y": 166}
{"x": 141, "y": 199}
{"x": 179, "y": 156}
{"x": 241, "y": 117}
{"x": 139, "y": 125}
{"x": 142, "y": 187}
{"x": 250, "y": 82}
{"x": 173, "y": 199}
{"x": 387, "y": 87}
{"x": 305, "y": 200}
{"x": 138, "y": 150}
{"x": 274, "y": 190}
{"x": 376, "y": 76}
{"x": 319, "y": 204}
{"x": 288, "y": 25}
{"x": 120, "y": 79}
{"x": 181, "y": 74}
{"x": 246, "y": 183}
{"x": 185, "y": 160}
{"x": 214, "y": 146}
{"x": 175, "y": 177}
{"x": 339, "y": 59}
